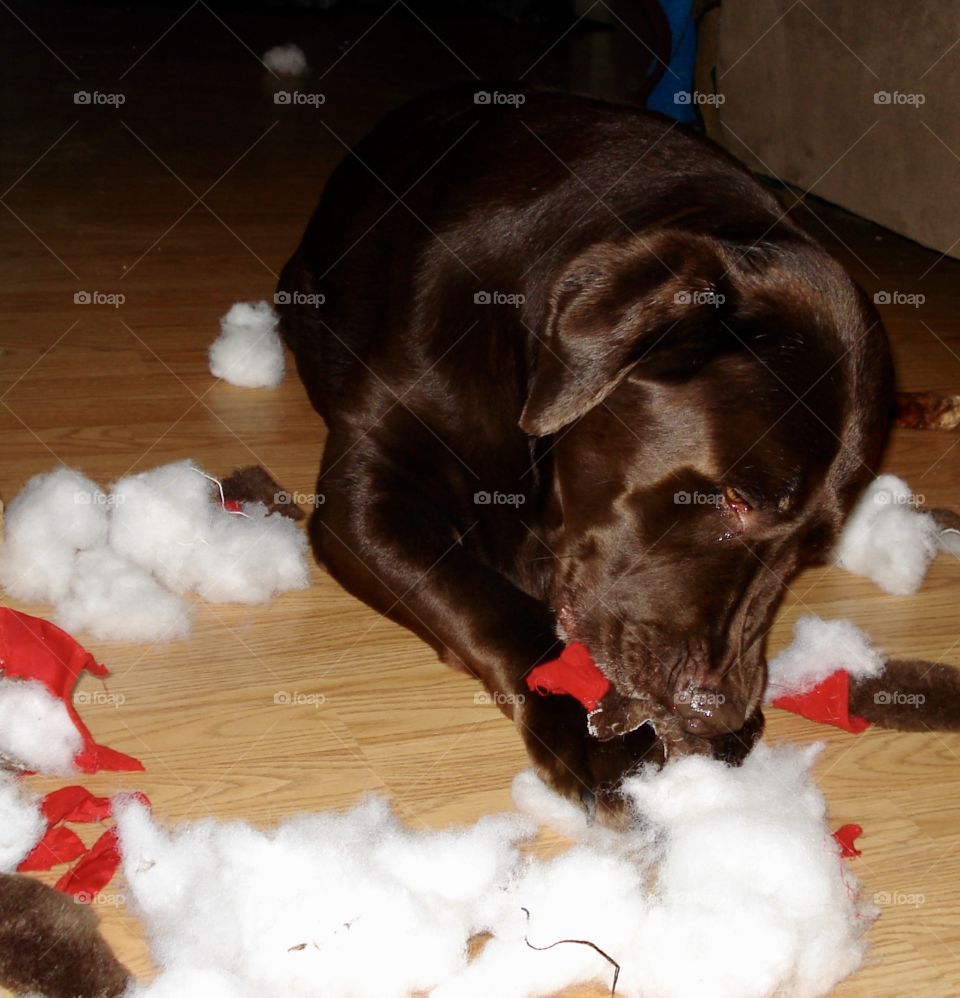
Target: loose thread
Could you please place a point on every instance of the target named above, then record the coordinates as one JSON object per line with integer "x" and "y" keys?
{"x": 579, "y": 942}
{"x": 223, "y": 498}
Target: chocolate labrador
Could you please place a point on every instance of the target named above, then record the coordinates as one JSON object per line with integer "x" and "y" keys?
{"x": 583, "y": 379}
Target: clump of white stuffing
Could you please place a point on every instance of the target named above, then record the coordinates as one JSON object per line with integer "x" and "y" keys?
{"x": 729, "y": 885}
{"x": 36, "y": 732}
{"x": 286, "y": 59}
{"x": 166, "y": 522}
{"x": 117, "y": 565}
{"x": 54, "y": 516}
{"x": 113, "y": 599}
{"x": 741, "y": 894}
{"x": 334, "y": 904}
{"x": 248, "y": 351}
{"x": 820, "y": 648}
{"x": 21, "y": 822}
{"x": 887, "y": 540}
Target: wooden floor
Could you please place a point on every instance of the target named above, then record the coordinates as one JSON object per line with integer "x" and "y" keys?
{"x": 190, "y": 196}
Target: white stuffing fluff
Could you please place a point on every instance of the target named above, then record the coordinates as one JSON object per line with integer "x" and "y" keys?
{"x": 113, "y": 599}
{"x": 36, "y": 732}
{"x": 164, "y": 521}
{"x": 248, "y": 559}
{"x": 248, "y": 351}
{"x": 191, "y": 982}
{"x": 54, "y": 516}
{"x": 887, "y": 540}
{"x": 820, "y": 648}
{"x": 338, "y": 904}
{"x": 286, "y": 59}
{"x": 536, "y": 800}
{"x": 116, "y": 566}
{"x": 730, "y": 885}
{"x": 160, "y": 517}
{"x": 21, "y": 822}
{"x": 740, "y": 895}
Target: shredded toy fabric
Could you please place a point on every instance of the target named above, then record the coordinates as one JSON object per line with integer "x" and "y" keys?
{"x": 573, "y": 673}
{"x": 36, "y": 650}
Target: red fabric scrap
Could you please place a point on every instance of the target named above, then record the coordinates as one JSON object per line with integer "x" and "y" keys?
{"x": 828, "y": 702}
{"x": 846, "y": 835}
{"x": 58, "y": 845}
{"x": 31, "y": 648}
{"x": 35, "y": 649}
{"x": 74, "y": 804}
{"x": 573, "y": 673}
{"x": 94, "y": 870}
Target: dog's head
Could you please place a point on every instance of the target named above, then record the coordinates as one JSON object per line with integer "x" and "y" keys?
{"x": 715, "y": 411}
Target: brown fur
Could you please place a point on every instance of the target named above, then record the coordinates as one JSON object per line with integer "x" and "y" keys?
{"x": 49, "y": 944}
{"x": 255, "y": 484}
{"x": 910, "y": 696}
{"x": 946, "y": 519}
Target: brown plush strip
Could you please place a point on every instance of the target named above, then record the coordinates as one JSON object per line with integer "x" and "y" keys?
{"x": 910, "y": 696}
{"x": 49, "y": 944}
{"x": 254, "y": 484}
{"x": 926, "y": 411}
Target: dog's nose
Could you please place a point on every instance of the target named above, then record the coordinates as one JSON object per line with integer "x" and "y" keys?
{"x": 708, "y": 712}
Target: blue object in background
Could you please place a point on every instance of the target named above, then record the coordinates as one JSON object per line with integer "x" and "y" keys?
{"x": 673, "y": 94}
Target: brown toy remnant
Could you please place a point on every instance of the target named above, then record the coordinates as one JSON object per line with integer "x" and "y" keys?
{"x": 255, "y": 484}
{"x": 617, "y": 715}
{"x": 926, "y": 411}
{"x": 909, "y": 695}
{"x": 946, "y": 520}
{"x": 49, "y": 944}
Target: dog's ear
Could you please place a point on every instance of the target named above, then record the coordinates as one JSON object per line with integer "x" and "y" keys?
{"x": 617, "y": 306}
